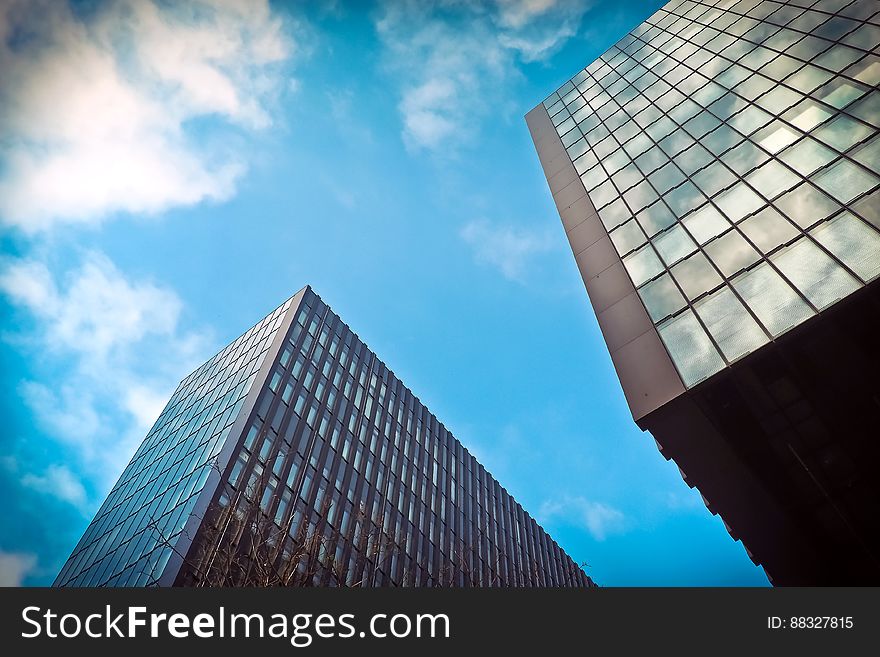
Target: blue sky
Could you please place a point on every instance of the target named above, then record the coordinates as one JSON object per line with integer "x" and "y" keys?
{"x": 168, "y": 177}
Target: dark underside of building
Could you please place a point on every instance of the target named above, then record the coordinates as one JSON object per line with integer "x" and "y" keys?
{"x": 784, "y": 446}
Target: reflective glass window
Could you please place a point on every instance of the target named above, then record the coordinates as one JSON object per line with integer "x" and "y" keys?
{"x": 814, "y": 273}
{"x": 662, "y": 298}
{"x": 627, "y": 237}
{"x": 655, "y": 218}
{"x": 738, "y": 201}
{"x": 768, "y": 229}
{"x": 706, "y": 223}
{"x": 643, "y": 265}
{"x": 693, "y": 353}
{"x": 853, "y": 241}
{"x": 674, "y": 244}
{"x": 773, "y": 300}
{"x": 696, "y": 275}
{"x": 844, "y": 181}
{"x": 731, "y": 253}
{"x": 842, "y": 132}
{"x": 805, "y": 205}
{"x": 772, "y": 178}
{"x": 807, "y": 155}
{"x": 735, "y": 331}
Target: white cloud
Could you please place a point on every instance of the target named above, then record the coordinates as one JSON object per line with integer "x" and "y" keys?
{"x": 15, "y": 566}
{"x": 117, "y": 348}
{"x": 599, "y": 519}
{"x": 58, "y": 481}
{"x": 68, "y": 412}
{"x": 509, "y": 249}
{"x": 429, "y": 112}
{"x": 453, "y": 60}
{"x": 96, "y": 106}
{"x": 98, "y": 312}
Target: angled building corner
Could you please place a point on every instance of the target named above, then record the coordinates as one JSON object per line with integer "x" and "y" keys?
{"x": 295, "y": 457}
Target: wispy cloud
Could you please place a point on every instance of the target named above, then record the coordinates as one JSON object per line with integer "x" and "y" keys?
{"x": 118, "y": 347}
{"x": 600, "y": 520}
{"x": 58, "y": 481}
{"x": 453, "y": 59}
{"x": 107, "y": 109}
{"x": 15, "y": 567}
{"x": 509, "y": 249}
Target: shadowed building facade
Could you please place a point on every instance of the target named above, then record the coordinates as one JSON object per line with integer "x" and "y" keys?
{"x": 296, "y": 457}
{"x": 716, "y": 173}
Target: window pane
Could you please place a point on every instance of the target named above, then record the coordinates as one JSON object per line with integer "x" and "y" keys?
{"x": 592, "y": 180}
{"x": 807, "y": 155}
{"x": 842, "y": 132}
{"x": 838, "y": 57}
{"x": 640, "y": 196}
{"x": 655, "y": 218}
{"x": 750, "y": 119}
{"x": 666, "y": 177}
{"x": 853, "y": 241}
{"x": 731, "y": 253}
{"x": 643, "y": 265}
{"x": 739, "y": 201}
{"x": 614, "y": 214}
{"x": 684, "y": 198}
{"x": 696, "y": 275}
{"x": 714, "y": 178}
{"x": 627, "y": 237}
{"x": 805, "y": 205}
{"x": 768, "y": 229}
{"x": 772, "y": 179}
{"x": 839, "y": 92}
{"x": 776, "y": 136}
{"x": 616, "y": 161}
{"x": 814, "y": 273}
{"x": 808, "y": 78}
{"x": 845, "y": 181}
{"x": 868, "y": 109}
{"x": 690, "y": 348}
{"x": 662, "y": 298}
{"x": 773, "y": 300}
{"x": 706, "y": 223}
{"x": 674, "y": 244}
{"x": 807, "y": 115}
{"x": 651, "y": 159}
{"x": 696, "y": 157}
{"x": 734, "y": 329}
{"x": 868, "y": 155}
{"x": 744, "y": 157}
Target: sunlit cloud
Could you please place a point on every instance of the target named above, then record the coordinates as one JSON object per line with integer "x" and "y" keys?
{"x": 119, "y": 348}
{"x": 453, "y": 61}
{"x": 124, "y": 108}
{"x": 598, "y": 519}
{"x": 509, "y": 249}
{"x": 15, "y": 567}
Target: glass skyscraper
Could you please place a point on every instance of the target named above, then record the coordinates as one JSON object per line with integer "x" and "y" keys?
{"x": 717, "y": 173}
{"x": 296, "y": 457}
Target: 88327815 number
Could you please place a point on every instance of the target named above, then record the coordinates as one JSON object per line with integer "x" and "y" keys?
{"x": 810, "y": 623}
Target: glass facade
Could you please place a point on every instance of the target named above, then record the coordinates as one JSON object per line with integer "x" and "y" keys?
{"x": 338, "y": 476}
{"x": 134, "y": 533}
{"x": 731, "y": 150}
{"x": 344, "y": 478}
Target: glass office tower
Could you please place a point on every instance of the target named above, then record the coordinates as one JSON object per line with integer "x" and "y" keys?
{"x": 717, "y": 173}
{"x": 295, "y": 457}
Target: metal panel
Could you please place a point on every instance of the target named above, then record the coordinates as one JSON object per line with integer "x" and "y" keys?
{"x": 648, "y": 377}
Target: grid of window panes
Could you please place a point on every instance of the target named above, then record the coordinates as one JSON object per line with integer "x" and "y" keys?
{"x": 129, "y": 541}
{"x": 340, "y": 450}
{"x": 731, "y": 149}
